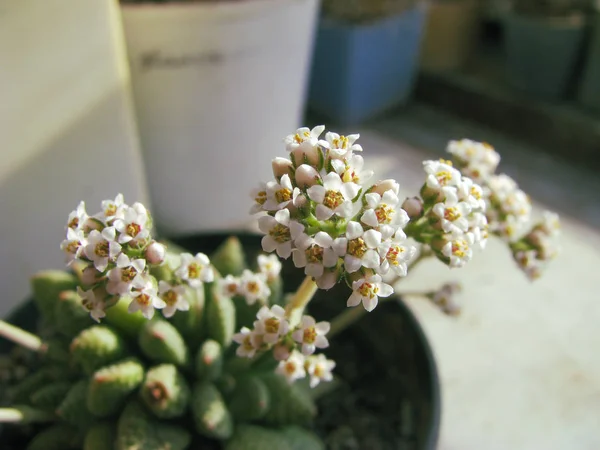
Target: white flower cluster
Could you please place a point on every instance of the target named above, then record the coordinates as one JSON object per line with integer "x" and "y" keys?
{"x": 508, "y": 208}
{"x": 254, "y": 287}
{"x": 293, "y": 347}
{"x": 322, "y": 211}
{"x": 453, "y": 219}
{"x": 114, "y": 251}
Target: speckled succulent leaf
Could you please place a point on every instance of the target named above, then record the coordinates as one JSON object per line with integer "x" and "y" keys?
{"x": 21, "y": 392}
{"x": 56, "y": 437}
{"x": 57, "y": 350}
{"x": 96, "y": 347}
{"x": 250, "y": 400}
{"x": 191, "y": 323}
{"x": 73, "y": 408}
{"x": 229, "y": 258}
{"x": 300, "y": 438}
{"x": 101, "y": 436}
{"x": 126, "y": 323}
{"x": 165, "y": 392}
{"x": 111, "y": 385}
{"x": 162, "y": 343}
{"x": 220, "y": 313}
{"x": 70, "y": 316}
{"x": 209, "y": 360}
{"x": 210, "y": 413}
{"x": 50, "y": 396}
{"x": 253, "y": 437}
{"x": 290, "y": 405}
{"x": 236, "y": 365}
{"x": 46, "y": 287}
{"x": 137, "y": 431}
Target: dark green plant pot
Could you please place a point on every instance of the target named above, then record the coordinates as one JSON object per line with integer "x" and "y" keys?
{"x": 386, "y": 351}
{"x": 589, "y": 91}
{"x": 542, "y": 54}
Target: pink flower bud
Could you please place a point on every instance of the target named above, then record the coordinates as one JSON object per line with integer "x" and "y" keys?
{"x": 413, "y": 207}
{"x": 281, "y": 167}
{"x": 90, "y": 276}
{"x": 281, "y": 352}
{"x": 306, "y": 176}
{"x": 307, "y": 155}
{"x": 155, "y": 253}
{"x": 383, "y": 186}
{"x": 327, "y": 280}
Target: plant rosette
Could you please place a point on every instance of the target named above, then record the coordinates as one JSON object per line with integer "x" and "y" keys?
{"x": 142, "y": 344}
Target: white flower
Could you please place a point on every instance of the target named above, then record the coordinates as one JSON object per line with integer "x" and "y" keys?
{"x": 445, "y": 299}
{"x": 397, "y": 256}
{"x": 271, "y": 323}
{"x": 478, "y": 227}
{"x": 92, "y": 303}
{"x": 293, "y": 367}
{"x": 550, "y": 224}
{"x": 253, "y": 286}
{"x": 74, "y": 244}
{"x": 279, "y": 231}
{"x": 101, "y": 247}
{"x": 340, "y": 146}
{"x": 477, "y": 159}
{"x": 440, "y": 174}
{"x": 367, "y": 290}
{"x": 112, "y": 209}
{"x": 351, "y": 169}
{"x": 260, "y": 197}
{"x": 174, "y": 299}
{"x": 311, "y": 335}
{"x": 528, "y": 263}
{"x": 314, "y": 253}
{"x": 249, "y": 342}
{"x": 133, "y": 226}
{"x": 229, "y": 286}
{"x": 471, "y": 193}
{"x": 279, "y": 195}
{"x": 360, "y": 248}
{"x": 270, "y": 266}
{"x": 120, "y": 279}
{"x": 195, "y": 270}
{"x": 384, "y": 213}
{"x": 78, "y": 217}
{"x": 319, "y": 369}
{"x": 303, "y": 138}
{"x": 453, "y": 216}
{"x": 333, "y": 197}
{"x": 458, "y": 249}
{"x": 145, "y": 297}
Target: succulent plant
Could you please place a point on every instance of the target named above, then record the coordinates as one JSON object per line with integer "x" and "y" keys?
{"x": 111, "y": 388}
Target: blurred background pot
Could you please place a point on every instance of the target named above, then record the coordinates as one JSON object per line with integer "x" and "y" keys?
{"x": 589, "y": 91}
{"x": 450, "y": 36}
{"x": 542, "y": 52}
{"x": 365, "y": 59}
{"x": 217, "y": 85}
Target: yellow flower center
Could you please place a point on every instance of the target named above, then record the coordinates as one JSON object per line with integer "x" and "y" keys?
{"x": 310, "y": 335}
{"x": 314, "y": 254}
{"x": 290, "y": 367}
{"x": 73, "y": 246}
{"x": 110, "y": 210}
{"x": 350, "y": 176}
{"x": 280, "y": 233}
{"x": 368, "y": 290}
{"x": 357, "y": 247}
{"x": 247, "y": 343}
{"x": 392, "y": 255}
{"x": 283, "y": 195}
{"x": 128, "y": 274}
{"x": 341, "y": 142}
{"x": 101, "y": 249}
{"x": 475, "y": 192}
{"x": 143, "y": 299}
{"x": 446, "y": 161}
{"x": 253, "y": 287}
{"x": 272, "y": 325}
{"x": 261, "y": 197}
{"x": 384, "y": 213}
{"x": 74, "y": 222}
{"x": 170, "y": 297}
{"x": 231, "y": 288}
{"x": 451, "y": 214}
{"x": 333, "y": 199}
{"x": 443, "y": 177}
{"x": 459, "y": 248}
{"x": 133, "y": 229}
{"x": 318, "y": 371}
{"x": 194, "y": 270}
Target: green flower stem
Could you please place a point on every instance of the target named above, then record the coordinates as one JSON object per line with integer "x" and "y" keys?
{"x": 24, "y": 414}
{"x": 351, "y": 315}
{"x": 303, "y": 296}
{"x": 21, "y": 337}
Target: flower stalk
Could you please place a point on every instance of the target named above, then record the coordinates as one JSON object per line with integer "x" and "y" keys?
{"x": 301, "y": 298}
{"x": 21, "y": 337}
{"x": 24, "y": 414}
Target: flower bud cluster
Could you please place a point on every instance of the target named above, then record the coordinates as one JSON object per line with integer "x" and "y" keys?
{"x": 453, "y": 220}
{"x": 113, "y": 251}
{"x": 322, "y": 211}
{"x": 293, "y": 347}
{"x": 508, "y": 208}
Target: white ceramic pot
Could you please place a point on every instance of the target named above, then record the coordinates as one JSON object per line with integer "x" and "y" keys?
{"x": 216, "y": 86}
{"x": 67, "y": 129}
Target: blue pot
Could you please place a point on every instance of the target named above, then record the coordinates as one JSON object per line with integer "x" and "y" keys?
{"x": 542, "y": 54}
{"x": 361, "y": 70}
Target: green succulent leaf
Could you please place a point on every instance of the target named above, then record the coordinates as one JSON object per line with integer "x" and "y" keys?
{"x": 191, "y": 323}
{"x": 162, "y": 343}
{"x": 300, "y": 438}
{"x": 73, "y": 408}
{"x": 96, "y": 347}
{"x": 165, "y": 391}
{"x": 290, "y": 405}
{"x": 50, "y": 396}
{"x": 220, "y": 312}
{"x": 253, "y": 437}
{"x": 126, "y": 323}
{"x": 229, "y": 258}
{"x": 101, "y": 436}
{"x": 209, "y": 360}
{"x": 111, "y": 385}
{"x": 21, "y": 392}
{"x": 46, "y": 287}
{"x": 70, "y": 316}
{"x": 56, "y": 437}
{"x": 250, "y": 400}
{"x": 210, "y": 413}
